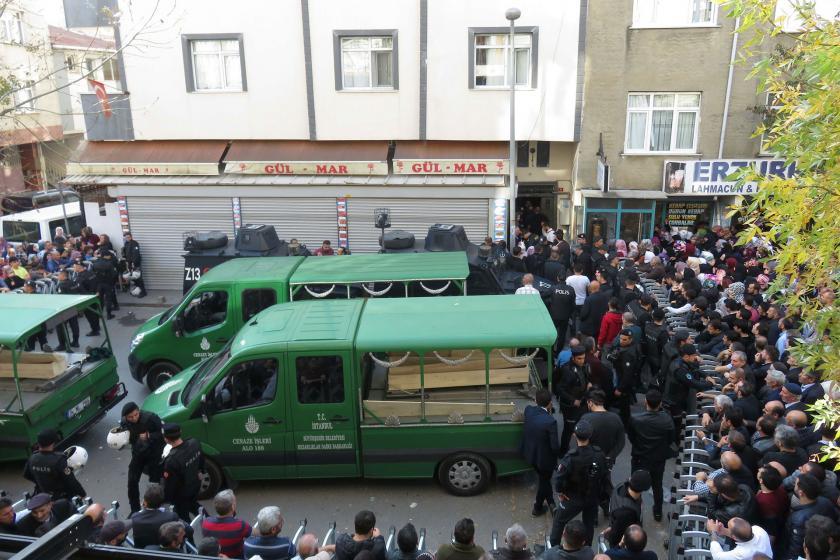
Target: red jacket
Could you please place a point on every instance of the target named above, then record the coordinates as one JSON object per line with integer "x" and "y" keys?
{"x": 610, "y": 327}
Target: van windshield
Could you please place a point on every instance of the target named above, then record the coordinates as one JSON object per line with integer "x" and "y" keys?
{"x": 205, "y": 373}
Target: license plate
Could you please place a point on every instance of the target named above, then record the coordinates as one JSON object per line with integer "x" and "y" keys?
{"x": 76, "y": 410}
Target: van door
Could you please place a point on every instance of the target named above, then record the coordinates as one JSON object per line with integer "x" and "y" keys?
{"x": 207, "y": 323}
{"x": 321, "y": 405}
{"x": 247, "y": 420}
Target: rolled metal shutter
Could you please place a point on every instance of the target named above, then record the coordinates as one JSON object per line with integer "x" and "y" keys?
{"x": 309, "y": 220}
{"x": 157, "y": 223}
{"x": 414, "y": 215}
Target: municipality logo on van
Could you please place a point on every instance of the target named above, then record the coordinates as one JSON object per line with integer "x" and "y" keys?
{"x": 205, "y": 344}
{"x": 252, "y": 426}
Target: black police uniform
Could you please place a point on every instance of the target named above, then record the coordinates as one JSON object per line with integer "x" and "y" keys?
{"x": 133, "y": 260}
{"x": 626, "y": 361}
{"x": 651, "y": 433}
{"x": 569, "y": 385}
{"x": 105, "y": 271}
{"x": 145, "y": 453}
{"x": 562, "y": 307}
{"x": 580, "y": 476}
{"x": 84, "y": 282}
{"x": 682, "y": 378}
{"x": 69, "y": 287}
{"x": 181, "y": 477}
{"x": 50, "y": 473}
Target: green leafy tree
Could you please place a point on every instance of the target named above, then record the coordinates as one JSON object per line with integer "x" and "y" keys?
{"x": 798, "y": 63}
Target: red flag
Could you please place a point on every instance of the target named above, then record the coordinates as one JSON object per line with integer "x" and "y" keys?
{"x": 99, "y": 90}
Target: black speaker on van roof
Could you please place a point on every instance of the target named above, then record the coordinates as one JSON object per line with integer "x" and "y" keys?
{"x": 257, "y": 237}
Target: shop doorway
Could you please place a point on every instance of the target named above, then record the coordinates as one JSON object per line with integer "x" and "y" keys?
{"x": 538, "y": 195}
{"x": 611, "y": 218}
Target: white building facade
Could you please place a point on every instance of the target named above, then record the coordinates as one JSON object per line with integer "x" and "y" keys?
{"x": 308, "y": 114}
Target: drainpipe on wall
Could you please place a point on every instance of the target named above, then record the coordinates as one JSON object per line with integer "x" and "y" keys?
{"x": 728, "y": 87}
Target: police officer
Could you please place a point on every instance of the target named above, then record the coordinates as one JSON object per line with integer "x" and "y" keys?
{"x": 48, "y": 469}
{"x": 651, "y": 433}
{"x": 133, "y": 260}
{"x": 182, "y": 472}
{"x": 66, "y": 286}
{"x": 562, "y": 307}
{"x": 83, "y": 281}
{"x": 626, "y": 361}
{"x": 146, "y": 439}
{"x": 570, "y": 384}
{"x": 684, "y": 375}
{"x": 105, "y": 269}
{"x": 579, "y": 480}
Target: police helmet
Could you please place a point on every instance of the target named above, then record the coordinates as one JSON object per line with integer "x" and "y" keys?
{"x": 118, "y": 438}
{"x": 77, "y": 457}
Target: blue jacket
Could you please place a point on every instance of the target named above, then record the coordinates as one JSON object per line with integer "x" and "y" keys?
{"x": 799, "y": 515}
{"x": 540, "y": 446}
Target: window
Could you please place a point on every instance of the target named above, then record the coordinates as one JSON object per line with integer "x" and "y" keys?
{"x": 254, "y": 301}
{"x": 366, "y": 59}
{"x": 11, "y": 27}
{"x": 75, "y": 223}
{"x": 247, "y": 384}
{"x": 102, "y": 69}
{"x": 214, "y": 62}
{"x": 662, "y": 122}
{"x": 490, "y": 58}
{"x": 320, "y": 379}
{"x": 23, "y": 96}
{"x": 207, "y": 309}
{"x": 674, "y": 13}
{"x": 19, "y": 232}
{"x": 532, "y": 154}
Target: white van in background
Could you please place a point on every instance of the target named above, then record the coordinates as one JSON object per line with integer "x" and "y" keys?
{"x": 37, "y": 225}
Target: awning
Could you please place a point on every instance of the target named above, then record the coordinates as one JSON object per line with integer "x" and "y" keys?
{"x": 301, "y": 157}
{"x": 451, "y": 158}
{"x": 149, "y": 157}
{"x": 233, "y": 179}
{"x": 61, "y": 38}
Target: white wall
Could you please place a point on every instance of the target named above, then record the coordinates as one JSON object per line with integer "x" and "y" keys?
{"x": 108, "y": 224}
{"x": 274, "y": 105}
{"x": 365, "y": 115}
{"x": 459, "y": 113}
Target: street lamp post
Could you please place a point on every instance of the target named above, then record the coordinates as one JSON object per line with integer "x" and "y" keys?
{"x": 512, "y": 14}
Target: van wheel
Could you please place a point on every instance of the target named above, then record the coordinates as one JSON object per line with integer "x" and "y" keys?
{"x": 465, "y": 474}
{"x": 159, "y": 373}
{"x": 212, "y": 480}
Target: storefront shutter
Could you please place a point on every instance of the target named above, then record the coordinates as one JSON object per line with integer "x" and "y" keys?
{"x": 309, "y": 220}
{"x": 158, "y": 224}
{"x": 414, "y": 215}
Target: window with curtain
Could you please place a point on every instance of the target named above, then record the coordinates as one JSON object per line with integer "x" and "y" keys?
{"x": 217, "y": 65}
{"x": 492, "y": 55}
{"x": 674, "y": 13}
{"x": 11, "y": 27}
{"x": 662, "y": 122}
{"x": 367, "y": 62}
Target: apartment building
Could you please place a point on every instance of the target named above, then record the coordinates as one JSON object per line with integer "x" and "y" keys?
{"x": 667, "y": 117}
{"x": 315, "y": 112}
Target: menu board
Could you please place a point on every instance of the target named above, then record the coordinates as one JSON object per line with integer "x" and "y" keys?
{"x": 686, "y": 214}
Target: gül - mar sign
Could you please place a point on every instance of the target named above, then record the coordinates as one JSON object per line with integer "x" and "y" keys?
{"x": 711, "y": 177}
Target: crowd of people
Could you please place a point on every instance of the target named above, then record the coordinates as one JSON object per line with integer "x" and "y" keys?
{"x": 23, "y": 265}
{"x": 767, "y": 491}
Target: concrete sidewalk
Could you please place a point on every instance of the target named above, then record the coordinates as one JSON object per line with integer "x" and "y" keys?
{"x": 154, "y": 298}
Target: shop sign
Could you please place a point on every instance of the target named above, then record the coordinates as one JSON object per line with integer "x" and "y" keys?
{"x": 450, "y": 167}
{"x": 711, "y": 177}
{"x": 307, "y": 167}
{"x": 685, "y": 214}
{"x": 500, "y": 219}
{"x": 142, "y": 168}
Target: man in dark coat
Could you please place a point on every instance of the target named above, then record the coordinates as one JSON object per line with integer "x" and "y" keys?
{"x": 147, "y": 445}
{"x": 651, "y": 433}
{"x": 540, "y": 448}
{"x": 594, "y": 308}
{"x": 569, "y": 384}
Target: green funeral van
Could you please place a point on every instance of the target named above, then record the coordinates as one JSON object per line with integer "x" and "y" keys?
{"x": 379, "y": 388}
{"x": 66, "y": 391}
{"x": 228, "y": 295}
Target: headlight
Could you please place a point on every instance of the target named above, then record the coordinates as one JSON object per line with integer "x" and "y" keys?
{"x": 138, "y": 338}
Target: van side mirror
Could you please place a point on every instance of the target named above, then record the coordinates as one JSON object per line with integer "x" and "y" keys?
{"x": 206, "y": 409}
{"x": 178, "y": 324}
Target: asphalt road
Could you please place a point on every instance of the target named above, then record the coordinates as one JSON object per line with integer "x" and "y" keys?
{"x": 421, "y": 502}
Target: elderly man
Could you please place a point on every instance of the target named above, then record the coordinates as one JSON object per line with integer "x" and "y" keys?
{"x": 812, "y": 390}
{"x": 789, "y": 454}
{"x": 307, "y": 548}
{"x": 791, "y": 394}
{"x": 749, "y": 540}
{"x": 527, "y": 287}
{"x": 269, "y": 545}
{"x": 773, "y": 383}
{"x": 44, "y": 514}
{"x": 225, "y": 527}
{"x": 171, "y": 538}
{"x": 516, "y": 545}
